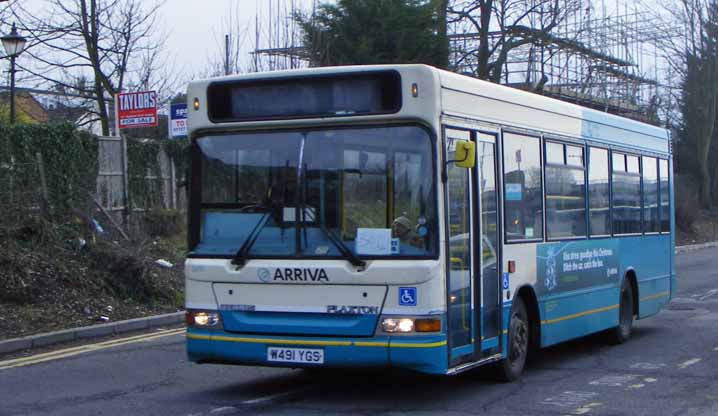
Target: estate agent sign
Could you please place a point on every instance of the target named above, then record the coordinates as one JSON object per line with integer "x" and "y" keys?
{"x": 137, "y": 109}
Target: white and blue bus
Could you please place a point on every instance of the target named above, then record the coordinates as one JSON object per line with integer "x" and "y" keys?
{"x": 405, "y": 216}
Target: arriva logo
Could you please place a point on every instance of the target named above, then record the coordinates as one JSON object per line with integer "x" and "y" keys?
{"x": 263, "y": 274}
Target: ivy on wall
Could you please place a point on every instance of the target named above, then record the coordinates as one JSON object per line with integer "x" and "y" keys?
{"x": 69, "y": 159}
{"x": 178, "y": 151}
{"x": 143, "y": 162}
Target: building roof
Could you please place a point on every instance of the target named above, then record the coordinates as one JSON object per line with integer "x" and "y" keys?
{"x": 27, "y": 108}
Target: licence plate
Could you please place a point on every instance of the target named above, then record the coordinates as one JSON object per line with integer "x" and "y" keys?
{"x": 295, "y": 355}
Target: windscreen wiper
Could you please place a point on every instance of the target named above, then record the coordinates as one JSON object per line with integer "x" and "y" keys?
{"x": 341, "y": 246}
{"x": 343, "y": 249}
{"x": 240, "y": 258}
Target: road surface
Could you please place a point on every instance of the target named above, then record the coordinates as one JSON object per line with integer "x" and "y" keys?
{"x": 669, "y": 367}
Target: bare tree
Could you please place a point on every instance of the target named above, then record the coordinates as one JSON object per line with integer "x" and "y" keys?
{"x": 229, "y": 56}
{"x": 693, "y": 58}
{"x": 272, "y": 34}
{"x": 113, "y": 44}
{"x": 501, "y": 26}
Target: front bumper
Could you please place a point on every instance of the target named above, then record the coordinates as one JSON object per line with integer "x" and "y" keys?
{"x": 423, "y": 353}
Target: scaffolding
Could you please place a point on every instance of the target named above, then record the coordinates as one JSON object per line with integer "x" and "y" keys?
{"x": 277, "y": 37}
{"x": 606, "y": 58}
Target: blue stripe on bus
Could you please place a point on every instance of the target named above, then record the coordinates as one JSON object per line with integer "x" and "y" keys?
{"x": 300, "y": 323}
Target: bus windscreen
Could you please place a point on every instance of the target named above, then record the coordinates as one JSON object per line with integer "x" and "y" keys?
{"x": 303, "y": 97}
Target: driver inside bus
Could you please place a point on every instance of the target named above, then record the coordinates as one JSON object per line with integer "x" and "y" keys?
{"x": 401, "y": 229}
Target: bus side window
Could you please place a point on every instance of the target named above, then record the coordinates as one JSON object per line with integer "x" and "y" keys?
{"x": 626, "y": 194}
{"x": 651, "y": 221}
{"x": 665, "y": 195}
{"x": 599, "y": 218}
{"x": 565, "y": 191}
{"x": 523, "y": 199}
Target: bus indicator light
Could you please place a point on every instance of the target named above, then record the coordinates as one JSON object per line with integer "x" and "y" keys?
{"x": 414, "y": 90}
{"x": 195, "y": 104}
{"x": 512, "y": 266}
{"x": 427, "y": 325}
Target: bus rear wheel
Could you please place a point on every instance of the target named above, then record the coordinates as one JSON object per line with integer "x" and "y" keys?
{"x": 511, "y": 367}
{"x": 622, "y": 332}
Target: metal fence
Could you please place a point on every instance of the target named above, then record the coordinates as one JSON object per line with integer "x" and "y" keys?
{"x": 23, "y": 190}
{"x": 114, "y": 190}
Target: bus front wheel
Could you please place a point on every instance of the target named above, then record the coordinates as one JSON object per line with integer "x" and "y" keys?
{"x": 511, "y": 367}
{"x": 622, "y": 332}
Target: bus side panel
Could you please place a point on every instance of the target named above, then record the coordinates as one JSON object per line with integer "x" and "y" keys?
{"x": 578, "y": 313}
{"x": 577, "y": 286}
{"x": 649, "y": 256}
{"x": 579, "y": 281}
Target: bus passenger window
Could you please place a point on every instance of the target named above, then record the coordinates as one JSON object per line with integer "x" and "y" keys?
{"x": 665, "y": 196}
{"x": 598, "y": 204}
{"x": 522, "y": 188}
{"x": 565, "y": 191}
{"x": 626, "y": 195}
{"x": 651, "y": 221}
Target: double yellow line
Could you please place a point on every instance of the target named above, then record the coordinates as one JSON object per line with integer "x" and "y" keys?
{"x": 70, "y": 352}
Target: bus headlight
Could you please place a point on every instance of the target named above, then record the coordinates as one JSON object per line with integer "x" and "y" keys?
{"x": 404, "y": 325}
{"x": 392, "y": 325}
{"x": 201, "y": 318}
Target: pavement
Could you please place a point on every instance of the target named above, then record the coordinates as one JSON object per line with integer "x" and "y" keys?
{"x": 669, "y": 367}
{"x": 93, "y": 331}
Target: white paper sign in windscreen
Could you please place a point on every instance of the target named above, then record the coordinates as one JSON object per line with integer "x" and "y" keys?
{"x": 373, "y": 241}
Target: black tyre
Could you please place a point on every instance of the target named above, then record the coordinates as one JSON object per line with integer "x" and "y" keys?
{"x": 622, "y": 332}
{"x": 511, "y": 367}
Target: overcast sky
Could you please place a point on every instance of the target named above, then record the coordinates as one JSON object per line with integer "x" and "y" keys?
{"x": 196, "y": 29}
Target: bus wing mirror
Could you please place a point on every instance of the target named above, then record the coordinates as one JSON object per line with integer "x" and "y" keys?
{"x": 465, "y": 154}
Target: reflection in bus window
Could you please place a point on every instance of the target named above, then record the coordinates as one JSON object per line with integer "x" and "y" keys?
{"x": 410, "y": 186}
{"x": 486, "y": 175}
{"x": 460, "y": 250}
{"x": 522, "y": 187}
{"x": 626, "y": 196}
{"x": 565, "y": 192}
{"x": 665, "y": 196}
{"x": 651, "y": 221}
{"x": 598, "y": 203}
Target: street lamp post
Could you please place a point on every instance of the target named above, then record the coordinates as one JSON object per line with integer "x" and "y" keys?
{"x": 14, "y": 44}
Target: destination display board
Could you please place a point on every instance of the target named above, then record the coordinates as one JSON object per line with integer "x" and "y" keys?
{"x": 332, "y": 95}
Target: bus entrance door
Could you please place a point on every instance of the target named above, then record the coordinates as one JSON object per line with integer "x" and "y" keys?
{"x": 461, "y": 322}
{"x": 488, "y": 253}
{"x": 473, "y": 318}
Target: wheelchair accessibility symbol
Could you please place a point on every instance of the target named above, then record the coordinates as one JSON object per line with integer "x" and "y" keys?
{"x": 407, "y": 296}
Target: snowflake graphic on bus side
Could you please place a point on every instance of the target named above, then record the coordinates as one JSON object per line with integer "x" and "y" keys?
{"x": 550, "y": 280}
